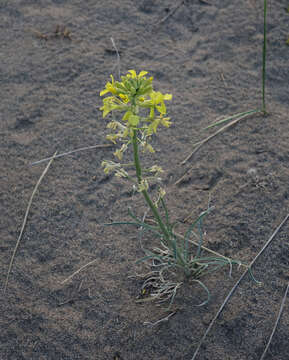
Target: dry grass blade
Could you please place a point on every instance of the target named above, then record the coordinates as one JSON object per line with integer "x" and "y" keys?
{"x": 201, "y": 143}
{"x": 78, "y": 271}
{"x": 25, "y": 221}
{"x": 236, "y": 285}
{"x": 276, "y": 323}
{"x": 72, "y": 152}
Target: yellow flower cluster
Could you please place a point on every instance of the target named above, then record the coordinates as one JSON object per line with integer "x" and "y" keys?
{"x": 143, "y": 109}
{"x": 133, "y": 92}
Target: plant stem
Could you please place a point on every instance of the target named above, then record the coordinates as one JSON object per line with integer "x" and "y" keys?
{"x": 153, "y": 208}
{"x": 144, "y": 192}
{"x": 156, "y": 215}
{"x": 264, "y": 58}
{"x": 136, "y": 157}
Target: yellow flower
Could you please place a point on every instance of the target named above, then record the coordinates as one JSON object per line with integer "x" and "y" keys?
{"x": 161, "y": 195}
{"x": 110, "y": 103}
{"x": 156, "y": 102}
{"x": 156, "y": 169}
{"x": 162, "y": 192}
{"x": 147, "y": 147}
{"x": 158, "y": 99}
{"x": 152, "y": 128}
{"x": 121, "y": 173}
{"x": 134, "y": 74}
{"x": 124, "y": 98}
{"x": 114, "y": 137}
{"x": 132, "y": 88}
{"x": 113, "y": 125}
{"x": 143, "y": 185}
{"x": 135, "y": 85}
{"x": 119, "y": 152}
{"x": 110, "y": 166}
{"x": 109, "y": 87}
{"x": 165, "y": 121}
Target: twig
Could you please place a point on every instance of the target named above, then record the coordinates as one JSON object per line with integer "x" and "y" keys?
{"x": 117, "y": 58}
{"x": 171, "y": 13}
{"x": 40, "y": 35}
{"x": 67, "y": 301}
{"x": 276, "y": 323}
{"x": 72, "y": 151}
{"x": 151, "y": 324}
{"x": 60, "y": 32}
{"x": 236, "y": 285}
{"x": 25, "y": 220}
{"x": 223, "y": 79}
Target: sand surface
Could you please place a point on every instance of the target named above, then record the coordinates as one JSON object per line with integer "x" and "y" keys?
{"x": 55, "y": 57}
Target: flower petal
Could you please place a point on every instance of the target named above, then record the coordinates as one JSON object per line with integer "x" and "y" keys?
{"x": 142, "y": 73}
{"x": 133, "y": 73}
{"x": 168, "y": 97}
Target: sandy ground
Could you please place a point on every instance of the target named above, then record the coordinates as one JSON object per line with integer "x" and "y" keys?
{"x": 55, "y": 57}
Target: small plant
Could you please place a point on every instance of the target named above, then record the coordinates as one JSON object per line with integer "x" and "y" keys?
{"x": 143, "y": 112}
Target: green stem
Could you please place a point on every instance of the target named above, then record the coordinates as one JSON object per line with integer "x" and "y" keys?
{"x": 156, "y": 215}
{"x": 136, "y": 157}
{"x": 153, "y": 207}
{"x": 144, "y": 192}
{"x": 264, "y": 57}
